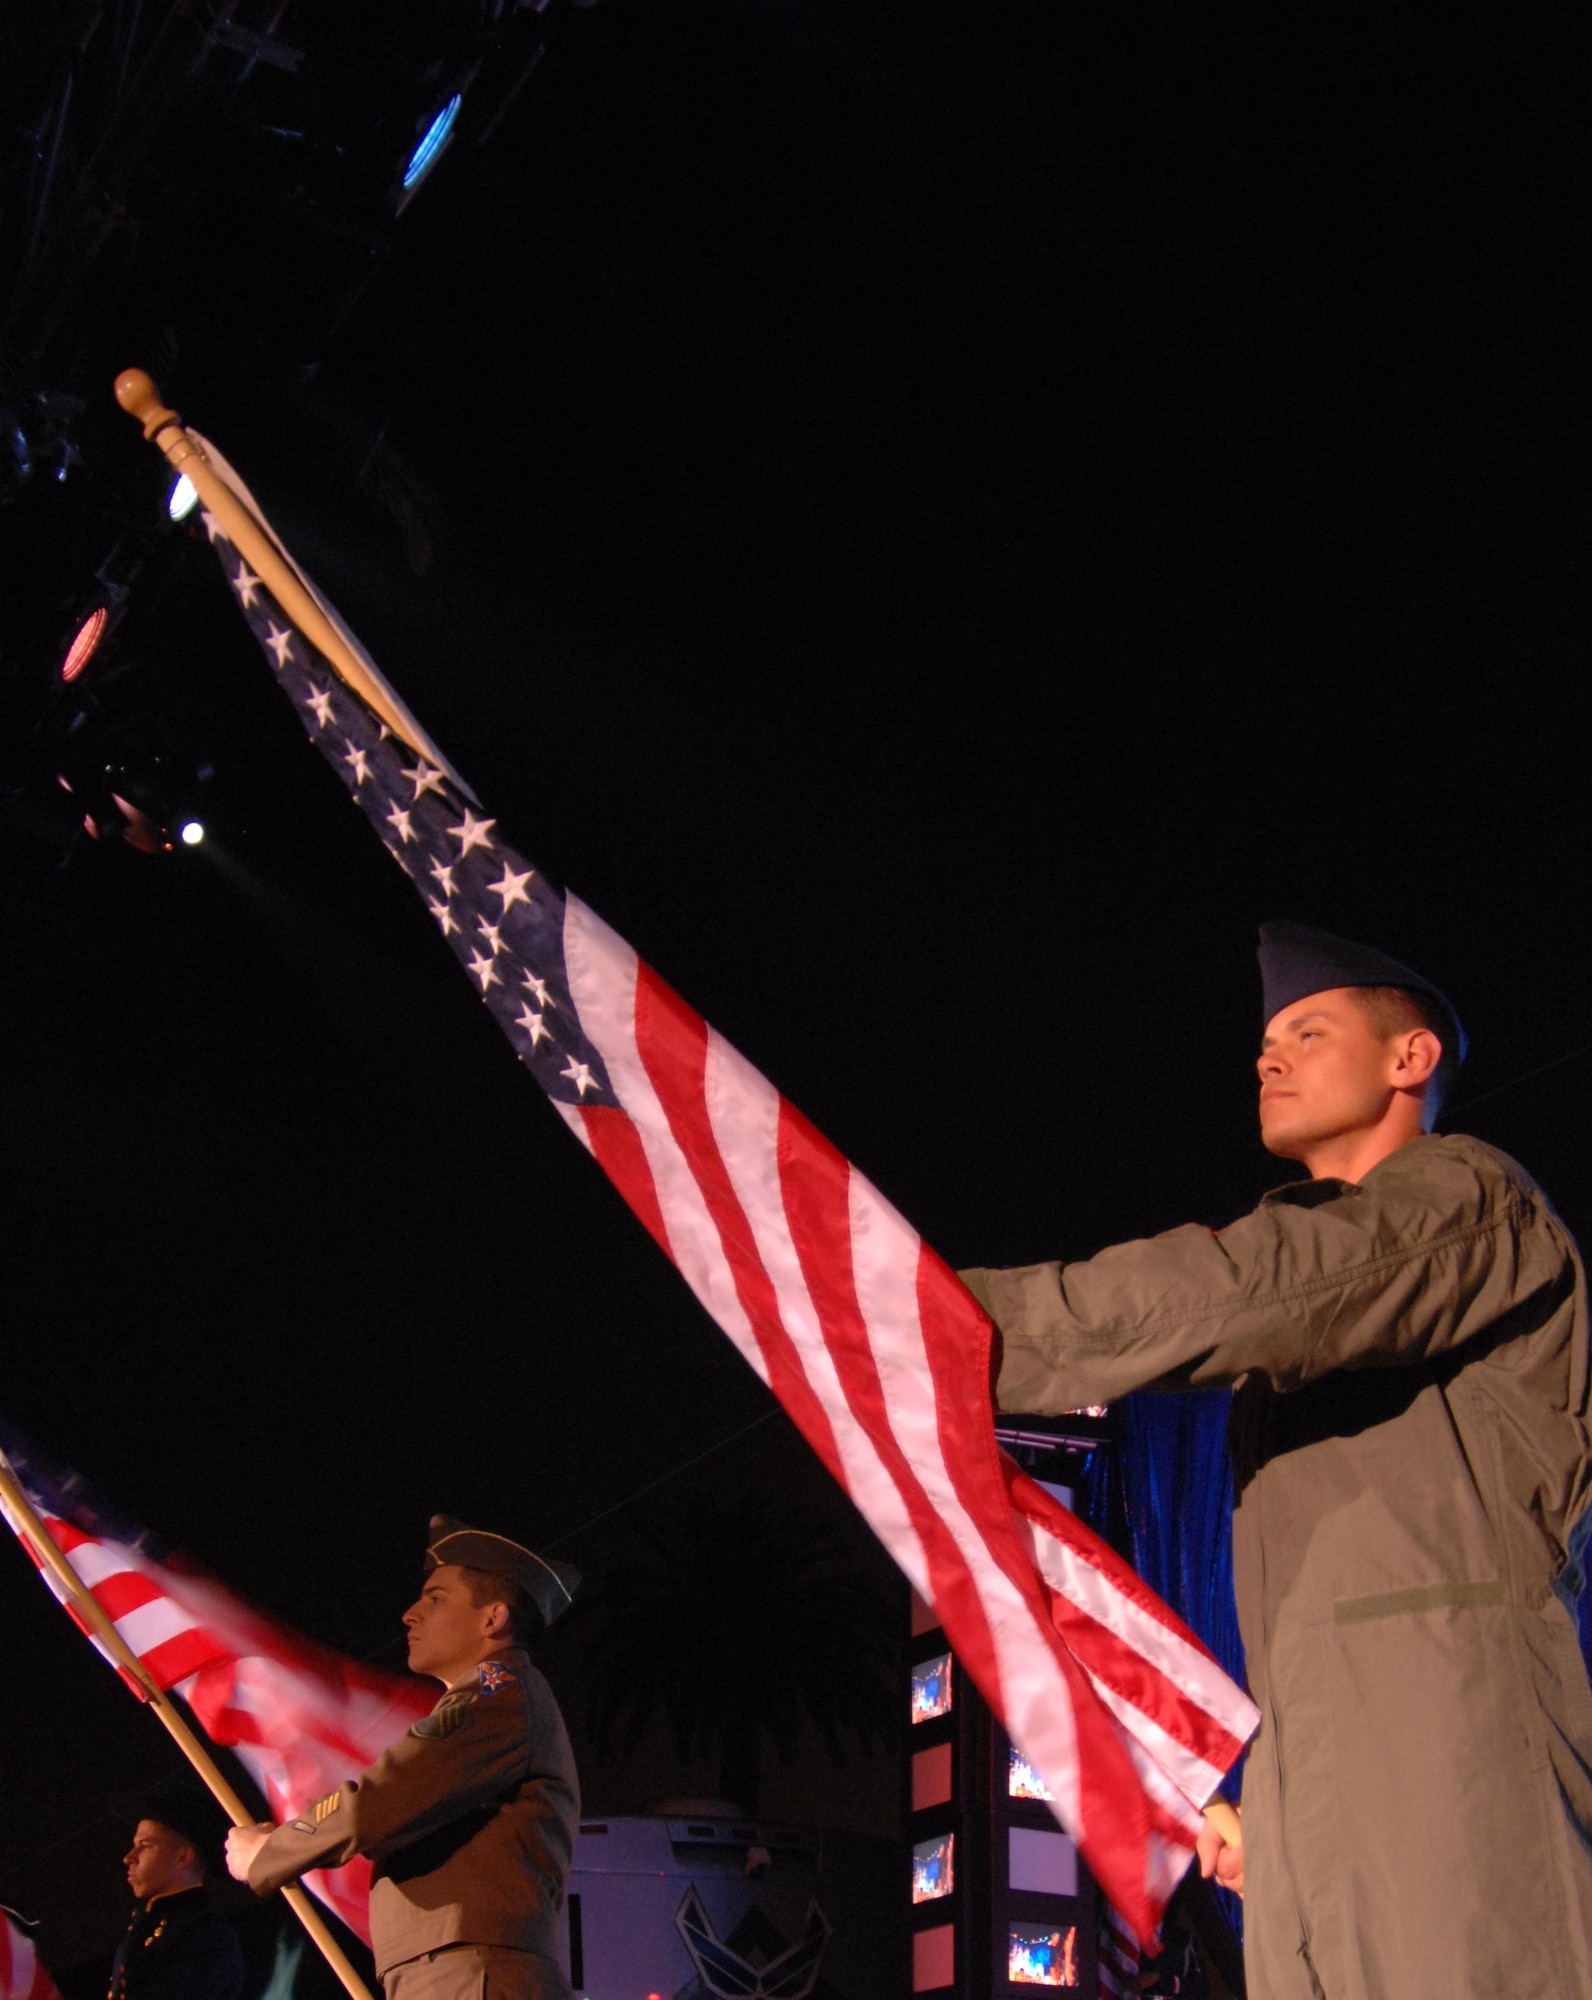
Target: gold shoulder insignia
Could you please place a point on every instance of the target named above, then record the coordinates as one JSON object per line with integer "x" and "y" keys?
{"x": 324, "y": 1808}
{"x": 446, "y": 1717}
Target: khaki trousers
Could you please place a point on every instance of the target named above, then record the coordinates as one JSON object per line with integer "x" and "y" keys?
{"x": 477, "y": 1972}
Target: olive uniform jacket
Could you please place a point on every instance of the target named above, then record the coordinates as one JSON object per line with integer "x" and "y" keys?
{"x": 469, "y": 1818}
{"x": 1411, "y": 1478}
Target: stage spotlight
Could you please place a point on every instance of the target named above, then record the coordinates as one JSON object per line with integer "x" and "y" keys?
{"x": 192, "y": 833}
{"x": 432, "y": 141}
{"x": 184, "y": 498}
{"x": 85, "y": 641}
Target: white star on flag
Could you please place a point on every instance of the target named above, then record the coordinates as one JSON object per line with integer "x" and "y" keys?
{"x": 245, "y": 583}
{"x": 398, "y": 820}
{"x": 357, "y": 762}
{"x": 539, "y": 988}
{"x": 532, "y": 1024}
{"x": 580, "y": 1075}
{"x": 443, "y": 871}
{"x": 279, "y": 642}
{"x": 322, "y": 705}
{"x": 491, "y": 933}
{"x": 425, "y": 778}
{"x": 484, "y": 970}
{"x": 444, "y": 916}
{"x": 512, "y": 887}
{"x": 212, "y": 526}
{"x": 473, "y": 833}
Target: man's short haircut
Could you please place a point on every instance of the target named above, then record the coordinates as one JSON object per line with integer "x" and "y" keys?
{"x": 184, "y": 1837}
{"x": 1395, "y": 1010}
{"x": 486, "y": 1587}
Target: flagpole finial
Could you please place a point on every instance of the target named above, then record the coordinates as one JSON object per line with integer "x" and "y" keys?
{"x": 138, "y": 396}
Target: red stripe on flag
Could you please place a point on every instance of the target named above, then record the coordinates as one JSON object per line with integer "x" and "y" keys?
{"x": 174, "y": 1659}
{"x": 815, "y": 1183}
{"x": 126, "y": 1590}
{"x": 1121, "y": 1666}
{"x": 1117, "y": 1817}
{"x": 673, "y": 1044}
{"x": 616, "y": 1146}
{"x": 66, "y": 1535}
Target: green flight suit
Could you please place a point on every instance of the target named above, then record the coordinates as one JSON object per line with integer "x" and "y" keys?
{"x": 1412, "y": 1471}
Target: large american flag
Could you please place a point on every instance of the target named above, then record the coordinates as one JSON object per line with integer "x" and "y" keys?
{"x": 867, "y": 1338}
{"x": 22, "y": 1973}
{"x": 300, "y": 1717}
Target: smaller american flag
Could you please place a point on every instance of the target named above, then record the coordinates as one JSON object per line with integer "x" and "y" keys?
{"x": 22, "y": 1973}
{"x": 1119, "y": 1955}
{"x": 300, "y": 1717}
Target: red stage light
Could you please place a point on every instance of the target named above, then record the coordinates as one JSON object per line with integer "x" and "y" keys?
{"x": 81, "y": 650}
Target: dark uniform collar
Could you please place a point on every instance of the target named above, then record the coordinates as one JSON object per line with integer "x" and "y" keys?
{"x": 171, "y": 1900}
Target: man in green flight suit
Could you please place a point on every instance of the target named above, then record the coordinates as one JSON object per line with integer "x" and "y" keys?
{"x": 1406, "y": 1335}
{"x": 470, "y": 1818}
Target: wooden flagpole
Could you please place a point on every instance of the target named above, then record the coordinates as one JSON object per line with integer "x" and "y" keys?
{"x": 143, "y": 1684}
{"x": 139, "y": 397}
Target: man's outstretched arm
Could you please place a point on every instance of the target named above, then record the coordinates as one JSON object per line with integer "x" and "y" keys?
{"x": 1438, "y": 1244}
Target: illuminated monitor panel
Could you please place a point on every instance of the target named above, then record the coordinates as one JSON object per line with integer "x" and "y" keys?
{"x": 1040, "y": 1955}
{"x": 931, "y": 1688}
{"x": 934, "y": 1868}
{"x": 1023, "y": 1781}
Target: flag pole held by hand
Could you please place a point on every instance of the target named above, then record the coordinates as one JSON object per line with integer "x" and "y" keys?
{"x": 85, "y": 1611}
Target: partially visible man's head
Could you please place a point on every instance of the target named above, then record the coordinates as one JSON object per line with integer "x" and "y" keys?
{"x": 1394, "y": 1010}
{"x": 161, "y": 1861}
{"x": 497, "y": 1590}
{"x": 1334, "y": 1065}
{"x": 487, "y": 1587}
{"x": 449, "y": 1632}
{"x": 1357, "y": 1053}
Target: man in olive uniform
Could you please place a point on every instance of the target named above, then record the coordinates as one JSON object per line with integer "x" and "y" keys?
{"x": 470, "y": 1818}
{"x": 1406, "y": 1333}
{"x": 178, "y": 1946}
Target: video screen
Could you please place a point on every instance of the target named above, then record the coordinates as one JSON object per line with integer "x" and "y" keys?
{"x": 933, "y": 1868}
{"x": 1023, "y": 1781}
{"x": 931, "y": 1688}
{"x": 1036, "y": 1956}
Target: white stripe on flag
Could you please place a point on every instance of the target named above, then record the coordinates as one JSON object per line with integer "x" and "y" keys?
{"x": 744, "y": 1111}
{"x": 153, "y": 1623}
{"x": 602, "y": 981}
{"x": 1032, "y": 1696}
{"x": 1192, "y": 1774}
{"x": 1183, "y": 1666}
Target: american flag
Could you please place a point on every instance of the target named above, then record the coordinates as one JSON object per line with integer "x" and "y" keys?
{"x": 1118, "y": 1956}
{"x": 866, "y": 1337}
{"x": 22, "y": 1975}
{"x": 300, "y": 1717}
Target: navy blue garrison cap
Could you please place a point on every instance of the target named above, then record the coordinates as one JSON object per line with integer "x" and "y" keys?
{"x": 1296, "y": 959}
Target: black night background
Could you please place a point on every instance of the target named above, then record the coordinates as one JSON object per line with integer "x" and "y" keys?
{"x": 934, "y": 519}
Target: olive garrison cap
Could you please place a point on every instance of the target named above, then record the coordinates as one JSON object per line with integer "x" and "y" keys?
{"x": 550, "y": 1586}
{"x": 1297, "y": 959}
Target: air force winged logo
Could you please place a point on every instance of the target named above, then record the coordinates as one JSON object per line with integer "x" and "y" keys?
{"x": 724, "y": 1974}
{"x": 492, "y": 1677}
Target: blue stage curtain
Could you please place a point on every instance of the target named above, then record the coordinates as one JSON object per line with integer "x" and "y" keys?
{"x": 1164, "y": 1496}
{"x": 1177, "y": 1495}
